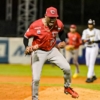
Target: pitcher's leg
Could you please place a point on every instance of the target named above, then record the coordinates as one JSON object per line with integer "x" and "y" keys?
{"x": 59, "y": 60}
{"x": 38, "y": 60}
{"x": 35, "y": 80}
{"x": 56, "y": 57}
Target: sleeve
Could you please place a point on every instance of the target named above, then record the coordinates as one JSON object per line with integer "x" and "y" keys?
{"x": 98, "y": 35}
{"x": 79, "y": 39}
{"x": 84, "y": 35}
{"x": 60, "y": 25}
{"x": 25, "y": 41}
{"x": 30, "y": 32}
{"x": 62, "y": 35}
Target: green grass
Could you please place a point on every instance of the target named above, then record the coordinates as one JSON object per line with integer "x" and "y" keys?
{"x": 48, "y": 70}
{"x": 87, "y": 86}
{"x": 55, "y": 71}
{"x": 15, "y": 70}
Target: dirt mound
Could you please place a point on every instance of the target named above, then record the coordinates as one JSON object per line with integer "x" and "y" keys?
{"x": 56, "y": 93}
{"x": 19, "y": 88}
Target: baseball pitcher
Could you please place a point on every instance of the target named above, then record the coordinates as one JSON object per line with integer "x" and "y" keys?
{"x": 91, "y": 38}
{"x": 44, "y": 48}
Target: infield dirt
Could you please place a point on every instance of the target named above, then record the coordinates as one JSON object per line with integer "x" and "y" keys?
{"x": 19, "y": 88}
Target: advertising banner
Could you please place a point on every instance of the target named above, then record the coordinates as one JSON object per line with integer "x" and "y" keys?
{"x": 16, "y": 52}
{"x": 12, "y": 51}
{"x": 4, "y": 50}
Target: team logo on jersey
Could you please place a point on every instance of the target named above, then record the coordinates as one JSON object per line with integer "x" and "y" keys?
{"x": 38, "y": 31}
{"x": 88, "y": 36}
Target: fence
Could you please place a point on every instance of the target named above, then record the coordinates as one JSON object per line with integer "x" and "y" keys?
{"x": 12, "y": 51}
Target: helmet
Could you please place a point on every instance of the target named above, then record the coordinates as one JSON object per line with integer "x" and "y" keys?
{"x": 90, "y": 21}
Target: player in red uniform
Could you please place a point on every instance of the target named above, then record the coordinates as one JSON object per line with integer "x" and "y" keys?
{"x": 72, "y": 48}
{"x": 43, "y": 48}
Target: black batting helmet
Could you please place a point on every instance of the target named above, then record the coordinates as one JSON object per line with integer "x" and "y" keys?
{"x": 90, "y": 21}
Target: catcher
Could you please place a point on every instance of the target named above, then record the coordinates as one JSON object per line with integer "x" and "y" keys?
{"x": 72, "y": 48}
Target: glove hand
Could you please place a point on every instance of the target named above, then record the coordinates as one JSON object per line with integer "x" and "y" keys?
{"x": 61, "y": 44}
{"x": 30, "y": 49}
{"x": 90, "y": 42}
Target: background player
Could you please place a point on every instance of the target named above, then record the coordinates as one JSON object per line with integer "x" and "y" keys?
{"x": 44, "y": 32}
{"x": 91, "y": 36}
{"x": 72, "y": 48}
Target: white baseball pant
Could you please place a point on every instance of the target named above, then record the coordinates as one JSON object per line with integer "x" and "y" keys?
{"x": 90, "y": 55}
{"x": 38, "y": 59}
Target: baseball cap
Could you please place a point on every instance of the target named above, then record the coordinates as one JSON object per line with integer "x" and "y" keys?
{"x": 90, "y": 21}
{"x": 51, "y": 12}
{"x": 72, "y": 26}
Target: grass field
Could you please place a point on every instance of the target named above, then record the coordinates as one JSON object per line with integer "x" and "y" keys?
{"x": 48, "y": 70}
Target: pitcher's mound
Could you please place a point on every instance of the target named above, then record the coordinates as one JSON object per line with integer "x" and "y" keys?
{"x": 56, "y": 93}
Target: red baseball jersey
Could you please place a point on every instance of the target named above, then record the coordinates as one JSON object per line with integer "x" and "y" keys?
{"x": 43, "y": 36}
{"x": 74, "y": 39}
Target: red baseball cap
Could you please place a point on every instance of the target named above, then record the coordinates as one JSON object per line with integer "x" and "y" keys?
{"x": 51, "y": 12}
{"x": 72, "y": 26}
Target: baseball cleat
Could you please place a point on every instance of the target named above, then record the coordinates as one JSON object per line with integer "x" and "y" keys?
{"x": 75, "y": 75}
{"x": 94, "y": 78}
{"x": 89, "y": 80}
{"x": 68, "y": 90}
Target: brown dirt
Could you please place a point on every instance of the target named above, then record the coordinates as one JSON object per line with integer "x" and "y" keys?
{"x": 56, "y": 93}
{"x": 19, "y": 88}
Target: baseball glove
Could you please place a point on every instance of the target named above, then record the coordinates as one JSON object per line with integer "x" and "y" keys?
{"x": 90, "y": 42}
{"x": 69, "y": 47}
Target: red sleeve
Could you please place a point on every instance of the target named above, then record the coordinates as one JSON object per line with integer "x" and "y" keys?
{"x": 30, "y": 32}
{"x": 60, "y": 25}
{"x": 79, "y": 39}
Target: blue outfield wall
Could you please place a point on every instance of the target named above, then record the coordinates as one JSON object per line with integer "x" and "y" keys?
{"x": 12, "y": 51}
{"x": 81, "y": 58}
{"x": 4, "y": 51}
